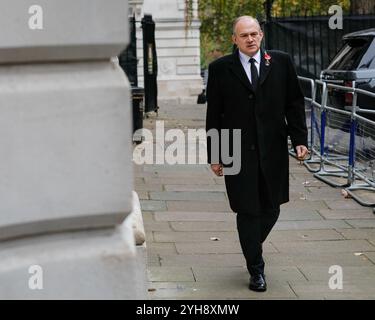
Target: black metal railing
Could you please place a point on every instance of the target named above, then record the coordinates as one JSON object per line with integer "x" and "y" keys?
{"x": 128, "y": 58}
{"x": 341, "y": 142}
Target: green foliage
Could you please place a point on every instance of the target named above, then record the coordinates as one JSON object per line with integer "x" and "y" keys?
{"x": 217, "y": 17}
{"x": 289, "y": 8}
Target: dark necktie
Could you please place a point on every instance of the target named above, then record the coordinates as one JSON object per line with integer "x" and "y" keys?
{"x": 254, "y": 74}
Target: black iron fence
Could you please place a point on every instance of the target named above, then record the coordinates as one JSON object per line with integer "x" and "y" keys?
{"x": 150, "y": 64}
{"x": 129, "y": 62}
{"x": 145, "y": 99}
{"x": 128, "y": 58}
{"x": 309, "y": 40}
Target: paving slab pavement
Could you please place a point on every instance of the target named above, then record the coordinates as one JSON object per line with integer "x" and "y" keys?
{"x": 192, "y": 242}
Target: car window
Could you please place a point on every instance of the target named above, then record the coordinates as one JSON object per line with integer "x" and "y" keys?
{"x": 353, "y": 55}
{"x": 368, "y": 59}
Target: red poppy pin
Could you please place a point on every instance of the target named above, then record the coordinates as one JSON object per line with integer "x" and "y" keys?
{"x": 267, "y": 57}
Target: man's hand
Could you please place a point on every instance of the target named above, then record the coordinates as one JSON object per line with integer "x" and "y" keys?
{"x": 302, "y": 152}
{"x": 217, "y": 169}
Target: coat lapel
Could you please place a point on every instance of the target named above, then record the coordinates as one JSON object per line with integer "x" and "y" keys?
{"x": 238, "y": 70}
{"x": 264, "y": 68}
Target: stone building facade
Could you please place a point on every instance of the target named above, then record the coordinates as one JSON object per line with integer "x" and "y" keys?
{"x": 178, "y": 48}
{"x": 70, "y": 224}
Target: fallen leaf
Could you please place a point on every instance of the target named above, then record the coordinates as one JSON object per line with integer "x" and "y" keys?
{"x": 345, "y": 194}
{"x": 214, "y": 239}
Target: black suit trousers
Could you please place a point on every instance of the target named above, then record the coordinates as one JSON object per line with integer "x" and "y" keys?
{"x": 253, "y": 228}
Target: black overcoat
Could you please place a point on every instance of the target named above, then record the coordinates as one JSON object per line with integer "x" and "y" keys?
{"x": 265, "y": 116}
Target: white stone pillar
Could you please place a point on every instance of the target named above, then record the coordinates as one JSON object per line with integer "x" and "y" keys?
{"x": 65, "y": 139}
{"x": 178, "y": 50}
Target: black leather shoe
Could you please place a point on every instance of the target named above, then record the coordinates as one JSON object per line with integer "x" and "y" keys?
{"x": 258, "y": 283}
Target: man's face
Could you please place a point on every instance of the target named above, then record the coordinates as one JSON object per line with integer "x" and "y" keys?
{"x": 247, "y": 37}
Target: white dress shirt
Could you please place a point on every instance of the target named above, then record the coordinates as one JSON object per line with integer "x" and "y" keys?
{"x": 247, "y": 65}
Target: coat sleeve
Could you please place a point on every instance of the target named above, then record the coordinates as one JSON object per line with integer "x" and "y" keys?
{"x": 213, "y": 116}
{"x": 295, "y": 108}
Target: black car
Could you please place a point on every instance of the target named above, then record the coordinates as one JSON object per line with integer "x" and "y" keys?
{"x": 353, "y": 66}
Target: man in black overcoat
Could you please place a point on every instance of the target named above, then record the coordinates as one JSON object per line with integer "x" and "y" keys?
{"x": 257, "y": 92}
